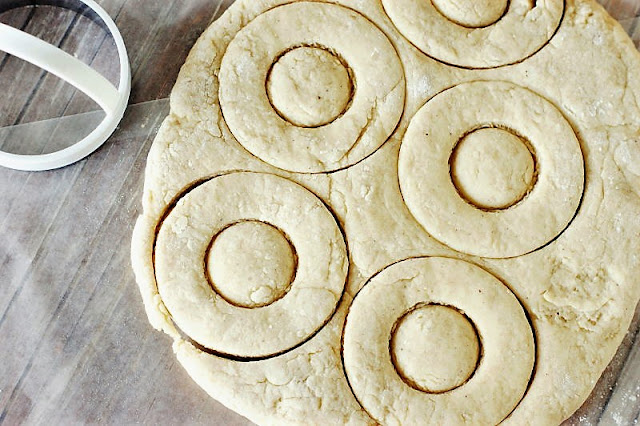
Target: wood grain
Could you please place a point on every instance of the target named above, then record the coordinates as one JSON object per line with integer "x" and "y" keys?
{"x": 76, "y": 346}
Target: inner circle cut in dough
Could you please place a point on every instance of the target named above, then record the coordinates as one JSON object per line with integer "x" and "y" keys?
{"x": 502, "y": 376}
{"x": 492, "y": 168}
{"x": 208, "y": 318}
{"x": 309, "y": 87}
{"x": 255, "y": 274}
{"x": 434, "y": 348}
{"x": 432, "y": 198}
{"x": 472, "y": 13}
{"x": 374, "y": 111}
{"x": 524, "y": 28}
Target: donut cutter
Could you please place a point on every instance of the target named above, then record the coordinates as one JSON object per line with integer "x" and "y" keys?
{"x": 112, "y": 100}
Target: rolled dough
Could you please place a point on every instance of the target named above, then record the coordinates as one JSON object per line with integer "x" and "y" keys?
{"x": 397, "y": 212}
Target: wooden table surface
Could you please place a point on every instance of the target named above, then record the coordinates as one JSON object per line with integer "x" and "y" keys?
{"x": 75, "y": 343}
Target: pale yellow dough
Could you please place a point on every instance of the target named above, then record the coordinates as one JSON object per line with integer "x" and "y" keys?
{"x": 341, "y": 227}
{"x": 218, "y": 323}
{"x": 476, "y": 34}
{"x": 492, "y": 168}
{"x": 489, "y": 396}
{"x": 309, "y": 86}
{"x": 256, "y": 277}
{"x": 329, "y": 140}
{"x": 434, "y": 348}
{"x": 472, "y": 13}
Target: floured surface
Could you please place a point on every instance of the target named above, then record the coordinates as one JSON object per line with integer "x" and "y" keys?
{"x": 576, "y": 285}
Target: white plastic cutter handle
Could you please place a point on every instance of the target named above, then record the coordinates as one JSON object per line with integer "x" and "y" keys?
{"x": 75, "y": 72}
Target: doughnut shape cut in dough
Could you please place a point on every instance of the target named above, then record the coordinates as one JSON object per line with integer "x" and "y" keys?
{"x": 211, "y": 320}
{"x": 431, "y": 195}
{"x": 372, "y": 114}
{"x": 471, "y": 38}
{"x": 508, "y": 356}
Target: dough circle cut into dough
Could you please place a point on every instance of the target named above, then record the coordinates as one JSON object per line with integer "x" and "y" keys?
{"x": 251, "y": 277}
{"x": 472, "y": 13}
{"x": 370, "y": 117}
{"x": 476, "y": 38}
{"x": 432, "y": 197}
{"x": 505, "y": 367}
{"x": 309, "y": 87}
{"x": 206, "y": 212}
{"x": 434, "y": 348}
{"x": 492, "y": 168}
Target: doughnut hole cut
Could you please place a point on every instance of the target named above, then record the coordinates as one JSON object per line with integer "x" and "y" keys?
{"x": 472, "y": 13}
{"x": 309, "y": 86}
{"x": 492, "y": 168}
{"x": 434, "y": 348}
{"x": 251, "y": 264}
